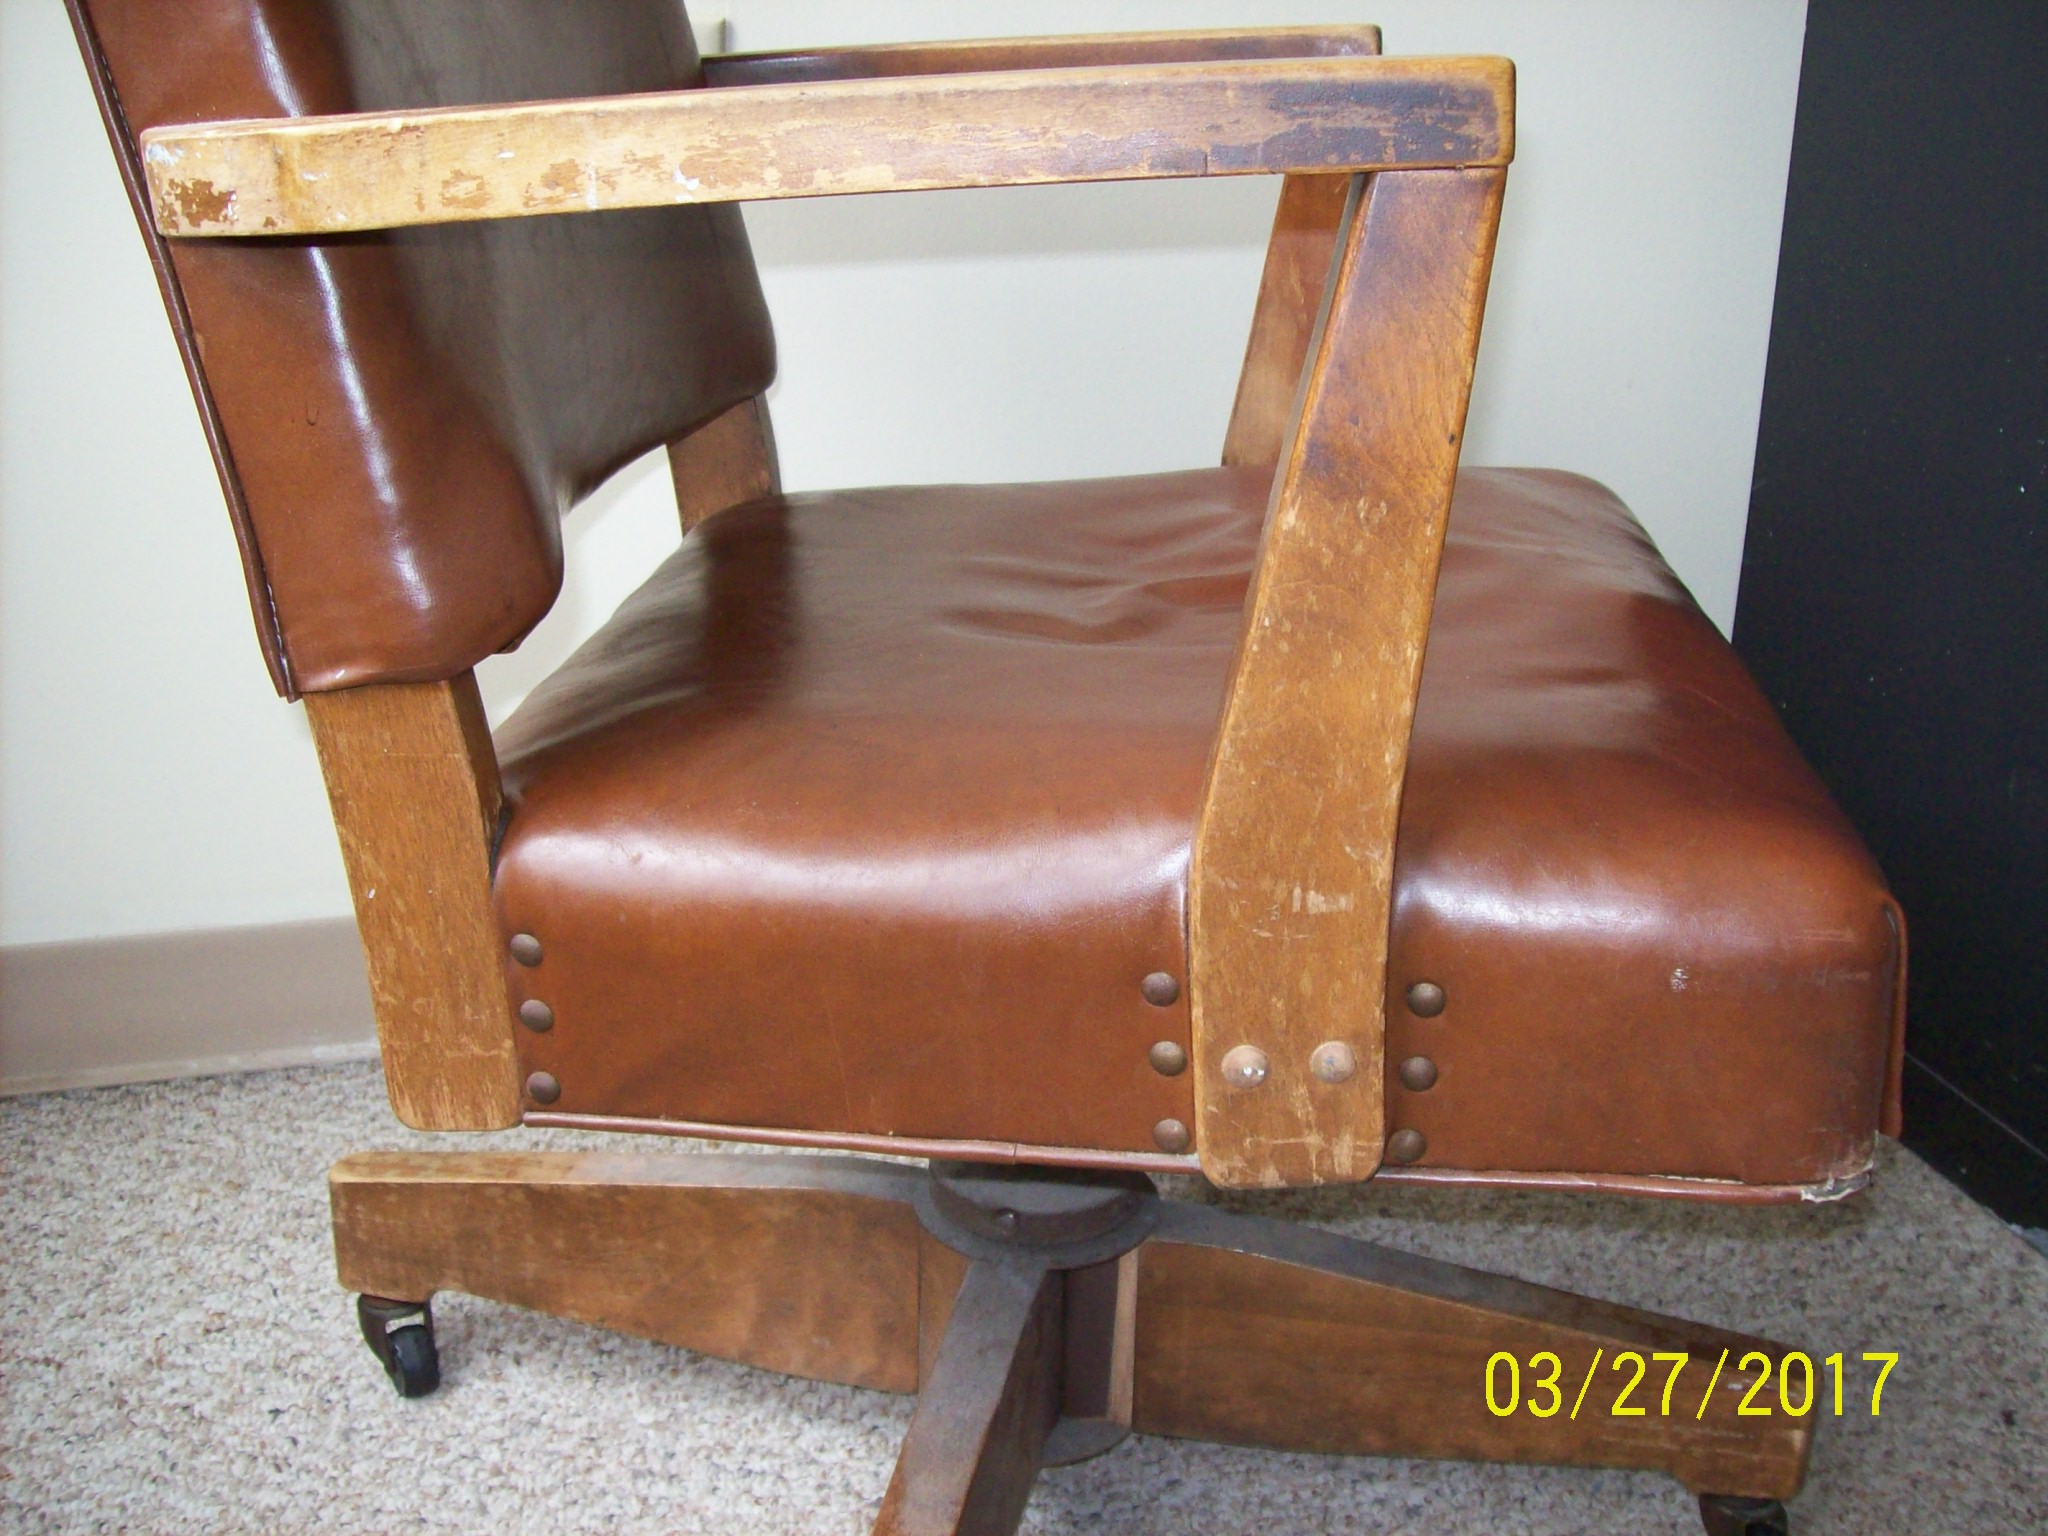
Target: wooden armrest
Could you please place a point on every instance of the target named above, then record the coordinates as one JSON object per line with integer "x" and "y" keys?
{"x": 327, "y": 175}
{"x": 876, "y": 61}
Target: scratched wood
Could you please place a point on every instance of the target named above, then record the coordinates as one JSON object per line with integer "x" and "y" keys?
{"x": 1259, "y": 1332}
{"x": 381, "y": 170}
{"x": 976, "y": 55}
{"x": 413, "y": 783}
{"x": 1291, "y": 883}
{"x": 727, "y": 460}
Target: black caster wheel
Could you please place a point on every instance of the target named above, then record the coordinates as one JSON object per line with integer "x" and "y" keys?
{"x": 401, "y": 1335}
{"x": 1725, "y": 1515}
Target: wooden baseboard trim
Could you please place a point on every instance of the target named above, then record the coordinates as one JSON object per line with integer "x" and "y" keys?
{"x": 97, "y": 1013}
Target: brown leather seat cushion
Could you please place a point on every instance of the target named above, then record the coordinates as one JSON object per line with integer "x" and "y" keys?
{"x": 871, "y": 810}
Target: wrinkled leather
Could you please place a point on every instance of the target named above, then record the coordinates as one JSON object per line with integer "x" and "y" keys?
{"x": 400, "y": 419}
{"x": 871, "y": 810}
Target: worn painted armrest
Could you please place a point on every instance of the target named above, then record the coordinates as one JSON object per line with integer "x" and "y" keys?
{"x": 327, "y": 175}
{"x": 976, "y": 55}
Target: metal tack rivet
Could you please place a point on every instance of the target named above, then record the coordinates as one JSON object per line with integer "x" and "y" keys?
{"x": 543, "y": 1088}
{"x": 1425, "y": 999}
{"x": 1405, "y": 1146}
{"x": 1418, "y": 1074}
{"x": 1333, "y": 1062}
{"x": 1171, "y": 1135}
{"x": 1245, "y": 1066}
{"x": 536, "y": 1015}
{"x": 1168, "y": 1057}
{"x": 1160, "y": 989}
{"x": 525, "y": 949}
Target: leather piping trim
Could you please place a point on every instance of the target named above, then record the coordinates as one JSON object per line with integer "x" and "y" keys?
{"x": 268, "y": 631}
{"x": 1657, "y": 1186}
{"x": 857, "y": 1141}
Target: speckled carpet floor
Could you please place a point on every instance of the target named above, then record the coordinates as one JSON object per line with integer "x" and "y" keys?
{"x": 175, "y": 1356}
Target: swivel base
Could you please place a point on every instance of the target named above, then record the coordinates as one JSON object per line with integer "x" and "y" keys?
{"x": 1042, "y": 1315}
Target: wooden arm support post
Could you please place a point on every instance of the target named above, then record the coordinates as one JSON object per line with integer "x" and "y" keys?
{"x": 1290, "y": 893}
{"x": 413, "y": 783}
{"x": 1297, "y": 274}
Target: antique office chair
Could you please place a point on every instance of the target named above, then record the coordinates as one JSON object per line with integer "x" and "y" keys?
{"x": 1057, "y": 834}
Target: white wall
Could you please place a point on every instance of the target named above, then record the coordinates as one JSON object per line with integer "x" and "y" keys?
{"x": 148, "y": 779}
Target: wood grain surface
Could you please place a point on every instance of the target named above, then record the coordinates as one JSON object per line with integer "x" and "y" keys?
{"x": 1291, "y": 884}
{"x": 413, "y": 783}
{"x": 807, "y": 1266}
{"x": 983, "y": 54}
{"x": 728, "y": 460}
{"x": 1258, "y": 1332}
{"x": 1298, "y": 270}
{"x": 382, "y": 170}
{"x": 971, "y": 1453}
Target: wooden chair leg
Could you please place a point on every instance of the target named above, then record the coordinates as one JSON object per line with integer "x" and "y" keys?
{"x": 727, "y": 1255}
{"x": 973, "y": 1449}
{"x": 1258, "y": 1332}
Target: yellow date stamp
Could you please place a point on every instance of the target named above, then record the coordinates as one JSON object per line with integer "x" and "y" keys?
{"x": 1788, "y": 1385}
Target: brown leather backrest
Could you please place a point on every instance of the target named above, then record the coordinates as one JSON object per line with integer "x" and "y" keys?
{"x": 400, "y": 419}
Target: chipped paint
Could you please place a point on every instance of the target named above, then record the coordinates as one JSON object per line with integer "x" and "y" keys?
{"x": 561, "y": 182}
{"x": 464, "y": 189}
{"x": 195, "y": 204}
